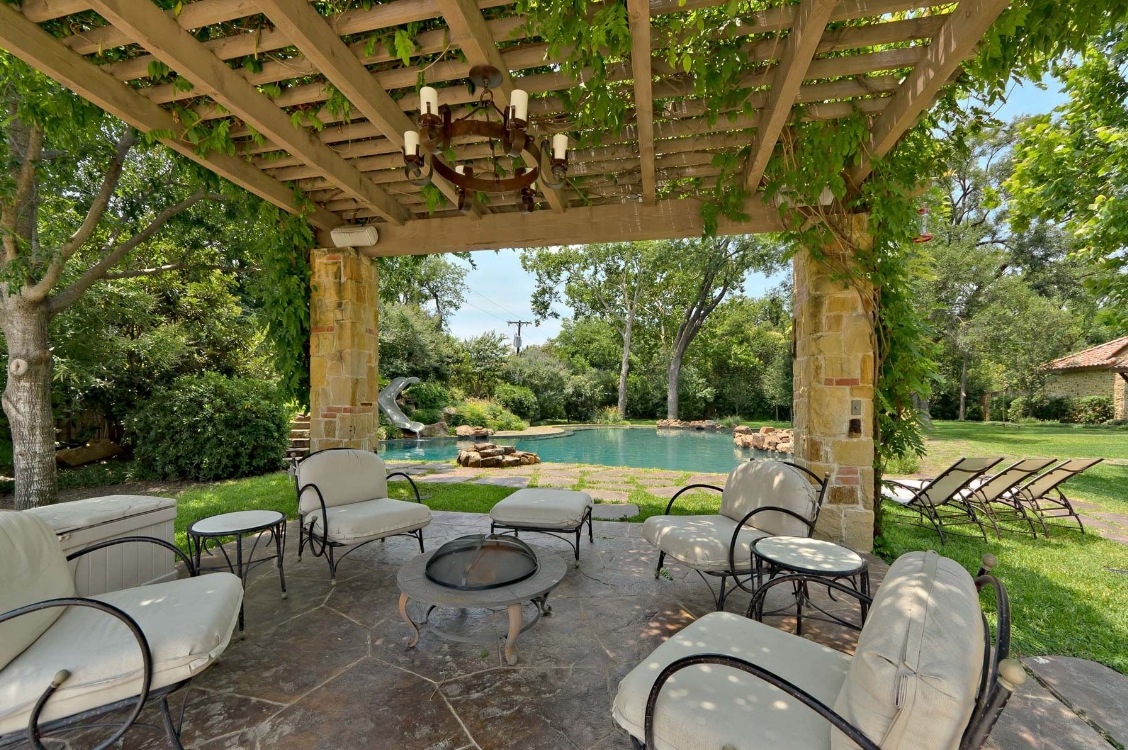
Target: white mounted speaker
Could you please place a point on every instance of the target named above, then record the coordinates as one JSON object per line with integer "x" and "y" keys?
{"x": 354, "y": 236}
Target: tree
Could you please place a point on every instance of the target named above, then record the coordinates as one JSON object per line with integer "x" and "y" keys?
{"x": 697, "y": 275}
{"x": 80, "y": 194}
{"x": 603, "y": 281}
{"x": 481, "y": 363}
{"x": 424, "y": 279}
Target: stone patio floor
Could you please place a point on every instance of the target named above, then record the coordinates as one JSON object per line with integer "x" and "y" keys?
{"x": 328, "y": 666}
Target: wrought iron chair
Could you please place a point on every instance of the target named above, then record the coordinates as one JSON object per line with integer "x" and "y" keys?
{"x": 64, "y": 662}
{"x": 343, "y": 504}
{"x": 1043, "y": 497}
{"x": 942, "y": 500}
{"x": 995, "y": 496}
{"x": 694, "y": 691}
{"x": 760, "y": 498}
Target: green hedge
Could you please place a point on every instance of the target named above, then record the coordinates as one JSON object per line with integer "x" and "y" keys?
{"x": 208, "y": 427}
{"x": 1092, "y": 410}
{"x": 480, "y": 413}
{"x": 517, "y": 399}
{"x": 429, "y": 395}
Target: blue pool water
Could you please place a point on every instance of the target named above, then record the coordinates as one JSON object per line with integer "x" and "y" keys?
{"x": 680, "y": 450}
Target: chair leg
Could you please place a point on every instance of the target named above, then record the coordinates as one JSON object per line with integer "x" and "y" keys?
{"x": 579, "y": 530}
{"x": 171, "y": 730}
{"x": 724, "y": 593}
{"x": 591, "y": 535}
{"x": 419, "y": 534}
{"x": 332, "y": 565}
{"x": 301, "y": 538}
{"x": 658, "y": 567}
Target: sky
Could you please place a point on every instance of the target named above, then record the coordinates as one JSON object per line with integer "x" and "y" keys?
{"x": 499, "y": 289}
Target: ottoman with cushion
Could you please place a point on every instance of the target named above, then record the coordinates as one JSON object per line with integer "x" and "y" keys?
{"x": 545, "y": 511}
{"x": 916, "y": 680}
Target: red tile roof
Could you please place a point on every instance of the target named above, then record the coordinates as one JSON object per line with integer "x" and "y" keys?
{"x": 1114, "y": 354}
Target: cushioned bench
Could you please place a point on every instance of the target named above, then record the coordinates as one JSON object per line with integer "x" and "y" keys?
{"x": 545, "y": 511}
{"x": 916, "y": 680}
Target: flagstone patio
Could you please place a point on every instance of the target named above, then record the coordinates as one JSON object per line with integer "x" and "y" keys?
{"x": 328, "y": 666}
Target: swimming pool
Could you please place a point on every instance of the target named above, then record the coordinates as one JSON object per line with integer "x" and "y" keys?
{"x": 679, "y": 450}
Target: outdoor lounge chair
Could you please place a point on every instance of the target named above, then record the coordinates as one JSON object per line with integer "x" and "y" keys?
{"x": 942, "y": 500}
{"x": 995, "y": 496}
{"x": 760, "y": 498}
{"x": 67, "y": 660}
{"x": 924, "y": 676}
{"x": 1042, "y": 495}
{"x": 343, "y": 503}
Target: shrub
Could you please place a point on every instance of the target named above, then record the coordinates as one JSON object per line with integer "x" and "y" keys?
{"x": 582, "y": 396}
{"x": 209, "y": 427}
{"x": 1043, "y": 408}
{"x": 428, "y": 416}
{"x": 517, "y": 399}
{"x": 1092, "y": 410}
{"x": 429, "y": 396}
{"x": 481, "y": 413}
{"x": 898, "y": 465}
{"x": 609, "y": 415}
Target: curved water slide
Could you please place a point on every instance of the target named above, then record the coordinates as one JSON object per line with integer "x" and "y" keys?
{"x": 388, "y": 405}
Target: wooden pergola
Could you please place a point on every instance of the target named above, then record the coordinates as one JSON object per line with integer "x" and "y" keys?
{"x": 885, "y": 59}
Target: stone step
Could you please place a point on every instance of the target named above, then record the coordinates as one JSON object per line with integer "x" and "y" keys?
{"x": 299, "y": 433}
{"x": 299, "y": 444}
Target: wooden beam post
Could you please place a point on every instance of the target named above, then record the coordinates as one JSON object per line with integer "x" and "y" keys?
{"x": 310, "y": 32}
{"x": 799, "y": 50}
{"x": 469, "y": 30}
{"x": 639, "y": 14}
{"x": 177, "y": 48}
{"x": 955, "y": 42}
{"x": 42, "y": 51}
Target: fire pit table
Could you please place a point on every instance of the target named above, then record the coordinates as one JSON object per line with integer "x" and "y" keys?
{"x": 481, "y": 572}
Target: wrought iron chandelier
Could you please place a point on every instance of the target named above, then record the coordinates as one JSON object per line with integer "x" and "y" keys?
{"x": 509, "y": 137}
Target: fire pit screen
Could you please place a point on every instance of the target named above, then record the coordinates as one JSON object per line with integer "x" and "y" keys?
{"x": 480, "y": 561}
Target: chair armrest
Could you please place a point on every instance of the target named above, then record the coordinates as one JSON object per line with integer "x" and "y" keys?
{"x": 410, "y": 481}
{"x": 184, "y": 558}
{"x": 756, "y": 606}
{"x": 690, "y": 487}
{"x": 724, "y": 660}
{"x": 745, "y": 522}
{"x": 324, "y": 515}
{"x": 33, "y": 730}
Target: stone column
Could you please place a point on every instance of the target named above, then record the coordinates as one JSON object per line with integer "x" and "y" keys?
{"x": 343, "y": 350}
{"x": 834, "y": 389}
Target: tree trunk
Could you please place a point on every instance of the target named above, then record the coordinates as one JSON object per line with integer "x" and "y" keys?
{"x": 963, "y": 389}
{"x": 673, "y": 377}
{"x": 625, "y": 365}
{"x": 27, "y": 402}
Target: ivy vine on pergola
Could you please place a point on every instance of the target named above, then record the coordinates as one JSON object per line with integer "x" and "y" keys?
{"x": 260, "y": 73}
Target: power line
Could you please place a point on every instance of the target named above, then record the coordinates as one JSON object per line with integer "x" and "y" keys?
{"x": 495, "y": 304}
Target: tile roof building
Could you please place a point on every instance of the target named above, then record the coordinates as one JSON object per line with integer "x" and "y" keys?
{"x": 1097, "y": 371}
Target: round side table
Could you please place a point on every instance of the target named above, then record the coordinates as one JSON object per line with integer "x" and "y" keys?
{"x": 780, "y": 555}
{"x": 208, "y": 531}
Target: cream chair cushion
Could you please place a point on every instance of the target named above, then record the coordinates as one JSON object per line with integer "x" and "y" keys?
{"x": 187, "y": 622}
{"x": 33, "y": 568}
{"x": 343, "y": 476}
{"x": 915, "y": 674}
{"x": 709, "y": 707}
{"x": 754, "y": 484}
{"x": 701, "y": 542}
{"x": 544, "y": 508}
{"x": 358, "y": 522}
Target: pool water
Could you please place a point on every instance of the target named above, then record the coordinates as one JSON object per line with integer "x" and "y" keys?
{"x": 679, "y": 450}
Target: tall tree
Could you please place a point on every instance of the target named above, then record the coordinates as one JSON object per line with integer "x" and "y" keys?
{"x": 80, "y": 194}
{"x": 697, "y": 275}
{"x": 424, "y": 279}
{"x": 606, "y": 281}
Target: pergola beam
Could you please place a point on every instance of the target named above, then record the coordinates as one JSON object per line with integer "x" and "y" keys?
{"x": 177, "y": 48}
{"x": 799, "y": 51}
{"x": 42, "y": 51}
{"x": 623, "y": 222}
{"x": 639, "y": 18}
{"x": 322, "y": 46}
{"x": 471, "y": 33}
{"x": 943, "y": 57}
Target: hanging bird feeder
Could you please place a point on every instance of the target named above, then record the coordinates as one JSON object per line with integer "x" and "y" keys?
{"x": 925, "y": 235}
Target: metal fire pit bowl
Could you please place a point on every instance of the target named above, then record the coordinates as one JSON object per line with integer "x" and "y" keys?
{"x": 480, "y": 562}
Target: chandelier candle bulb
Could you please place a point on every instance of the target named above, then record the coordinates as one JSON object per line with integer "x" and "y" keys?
{"x": 428, "y": 101}
{"x": 559, "y": 146}
{"x": 461, "y": 169}
{"x": 519, "y": 100}
{"x": 411, "y": 142}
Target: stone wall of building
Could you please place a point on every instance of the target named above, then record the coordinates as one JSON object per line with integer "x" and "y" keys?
{"x": 1120, "y": 396}
{"x": 343, "y": 349}
{"x": 1080, "y": 383}
{"x": 834, "y": 390}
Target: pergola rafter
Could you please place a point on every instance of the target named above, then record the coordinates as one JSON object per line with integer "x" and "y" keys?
{"x": 884, "y": 59}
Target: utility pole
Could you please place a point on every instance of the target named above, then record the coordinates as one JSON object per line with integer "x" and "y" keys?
{"x": 517, "y": 338}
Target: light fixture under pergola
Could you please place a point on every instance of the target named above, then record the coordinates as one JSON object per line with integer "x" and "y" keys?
{"x": 438, "y": 130}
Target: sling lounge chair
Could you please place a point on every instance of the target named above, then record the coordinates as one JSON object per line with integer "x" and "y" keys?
{"x": 942, "y": 500}
{"x": 995, "y": 496}
{"x": 1043, "y": 496}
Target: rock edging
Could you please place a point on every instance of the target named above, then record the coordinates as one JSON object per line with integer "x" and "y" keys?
{"x": 488, "y": 455}
{"x": 764, "y": 438}
{"x": 696, "y": 424}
